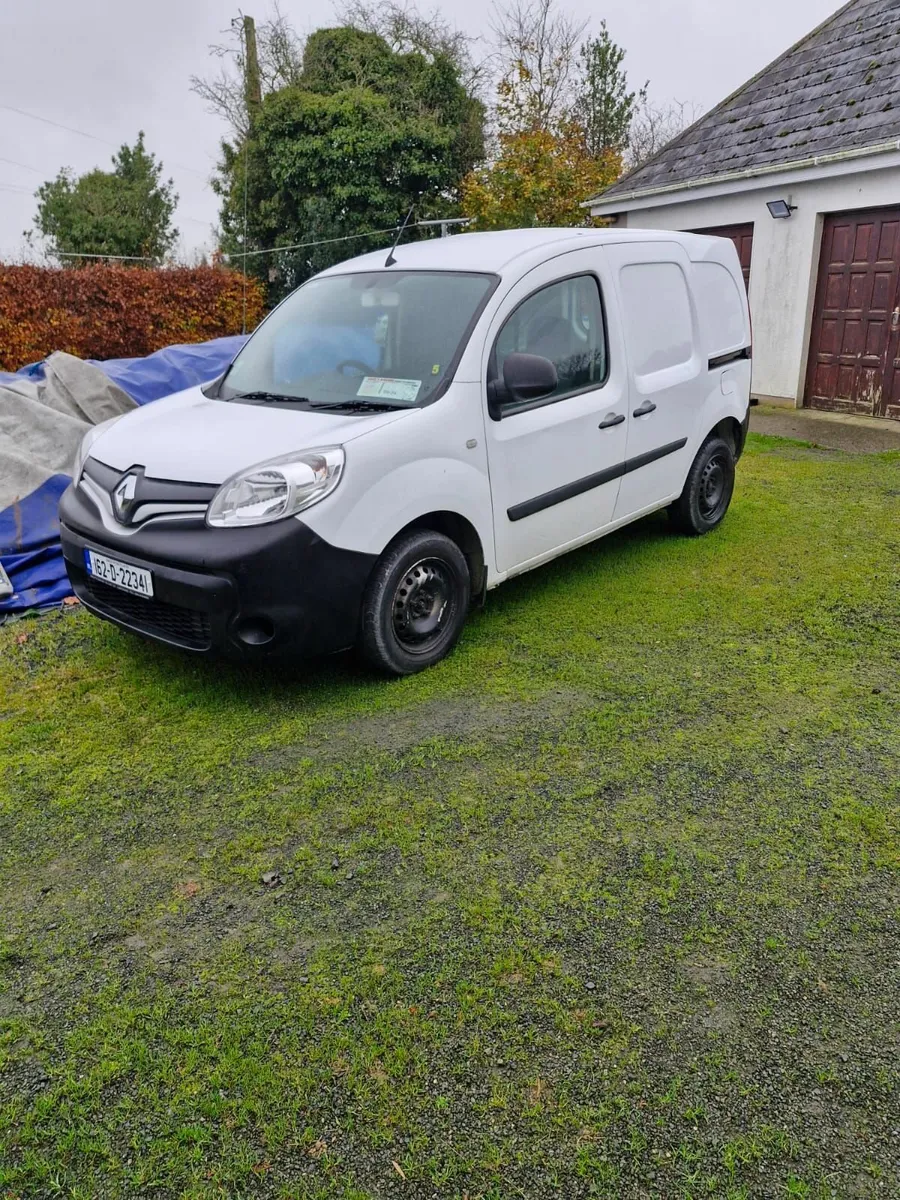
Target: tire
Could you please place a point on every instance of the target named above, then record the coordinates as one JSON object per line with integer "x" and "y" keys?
{"x": 415, "y": 604}
{"x": 707, "y": 493}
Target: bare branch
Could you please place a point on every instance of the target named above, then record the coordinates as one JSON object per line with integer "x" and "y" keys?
{"x": 280, "y": 51}
{"x": 655, "y": 125}
{"x": 539, "y": 42}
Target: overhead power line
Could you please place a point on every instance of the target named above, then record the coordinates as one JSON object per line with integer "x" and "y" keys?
{"x": 93, "y": 136}
{"x": 350, "y": 237}
{"x": 25, "y": 167}
{"x": 275, "y": 249}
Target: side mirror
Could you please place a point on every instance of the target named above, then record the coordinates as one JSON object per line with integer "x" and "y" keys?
{"x": 529, "y": 377}
{"x": 525, "y": 377}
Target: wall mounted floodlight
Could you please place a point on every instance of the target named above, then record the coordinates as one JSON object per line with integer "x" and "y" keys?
{"x": 780, "y": 209}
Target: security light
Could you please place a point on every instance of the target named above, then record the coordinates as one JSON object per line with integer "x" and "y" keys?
{"x": 780, "y": 209}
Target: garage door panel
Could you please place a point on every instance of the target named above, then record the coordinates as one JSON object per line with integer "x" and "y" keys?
{"x": 840, "y": 244}
{"x": 825, "y": 382}
{"x": 881, "y": 290}
{"x": 836, "y": 290}
{"x": 854, "y": 357}
{"x": 845, "y": 383}
{"x": 829, "y": 337}
{"x": 852, "y": 341}
{"x": 875, "y": 339}
{"x": 861, "y": 287}
{"x": 862, "y": 243}
{"x": 889, "y": 243}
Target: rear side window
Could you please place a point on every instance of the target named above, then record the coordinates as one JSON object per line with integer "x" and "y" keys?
{"x": 720, "y": 308}
{"x": 657, "y": 316}
{"x": 563, "y": 322}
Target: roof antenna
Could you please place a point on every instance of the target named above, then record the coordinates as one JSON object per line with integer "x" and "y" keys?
{"x": 390, "y": 258}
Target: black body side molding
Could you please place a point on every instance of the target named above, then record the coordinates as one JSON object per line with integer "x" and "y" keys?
{"x": 529, "y": 507}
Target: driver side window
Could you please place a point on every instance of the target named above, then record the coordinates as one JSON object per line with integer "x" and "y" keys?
{"x": 564, "y": 323}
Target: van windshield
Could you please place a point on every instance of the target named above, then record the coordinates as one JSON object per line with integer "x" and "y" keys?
{"x": 377, "y": 338}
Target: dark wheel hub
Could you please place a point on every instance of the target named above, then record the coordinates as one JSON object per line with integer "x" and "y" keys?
{"x": 712, "y": 486}
{"x": 421, "y": 604}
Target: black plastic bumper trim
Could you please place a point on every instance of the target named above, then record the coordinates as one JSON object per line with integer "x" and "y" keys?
{"x": 209, "y": 585}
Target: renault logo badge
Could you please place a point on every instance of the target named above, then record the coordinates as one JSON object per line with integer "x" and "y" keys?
{"x": 123, "y": 497}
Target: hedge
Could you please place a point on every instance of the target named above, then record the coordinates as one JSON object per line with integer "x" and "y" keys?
{"x": 110, "y": 311}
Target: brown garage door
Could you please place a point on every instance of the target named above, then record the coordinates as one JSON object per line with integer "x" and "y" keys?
{"x": 742, "y": 236}
{"x": 854, "y": 353}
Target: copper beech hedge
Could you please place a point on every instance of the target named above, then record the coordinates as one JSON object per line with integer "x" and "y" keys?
{"x": 106, "y": 311}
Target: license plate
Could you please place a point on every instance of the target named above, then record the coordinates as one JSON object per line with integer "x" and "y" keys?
{"x": 119, "y": 574}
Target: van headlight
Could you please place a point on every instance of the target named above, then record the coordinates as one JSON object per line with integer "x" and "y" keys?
{"x": 81, "y": 454}
{"x": 278, "y": 488}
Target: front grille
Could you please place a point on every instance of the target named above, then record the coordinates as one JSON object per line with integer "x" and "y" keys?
{"x": 184, "y": 626}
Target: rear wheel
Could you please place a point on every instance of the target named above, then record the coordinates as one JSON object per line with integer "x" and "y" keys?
{"x": 415, "y": 604}
{"x": 708, "y": 490}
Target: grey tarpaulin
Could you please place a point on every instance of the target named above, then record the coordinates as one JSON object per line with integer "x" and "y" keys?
{"x": 42, "y": 422}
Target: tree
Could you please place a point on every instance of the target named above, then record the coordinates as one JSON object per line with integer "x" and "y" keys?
{"x": 124, "y": 212}
{"x": 364, "y": 134}
{"x": 406, "y": 31}
{"x": 603, "y": 104}
{"x": 538, "y": 178}
{"x": 538, "y": 44}
{"x": 280, "y": 62}
{"x": 653, "y": 126}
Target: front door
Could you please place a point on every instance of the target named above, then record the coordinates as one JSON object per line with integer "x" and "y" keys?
{"x": 555, "y": 463}
{"x": 854, "y": 356}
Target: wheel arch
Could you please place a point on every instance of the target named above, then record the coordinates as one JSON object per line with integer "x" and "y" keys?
{"x": 733, "y": 431}
{"x": 460, "y": 530}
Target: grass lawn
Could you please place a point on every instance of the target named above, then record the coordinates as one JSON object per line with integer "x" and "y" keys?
{"x": 605, "y": 905}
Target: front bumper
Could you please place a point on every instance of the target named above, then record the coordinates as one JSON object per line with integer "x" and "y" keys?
{"x": 251, "y": 593}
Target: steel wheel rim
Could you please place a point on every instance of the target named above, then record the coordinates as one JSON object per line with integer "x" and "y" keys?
{"x": 713, "y": 487}
{"x": 422, "y": 605}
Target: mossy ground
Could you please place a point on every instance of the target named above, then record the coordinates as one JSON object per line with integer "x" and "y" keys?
{"x": 605, "y": 905}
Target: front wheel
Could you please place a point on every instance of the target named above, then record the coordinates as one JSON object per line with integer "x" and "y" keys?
{"x": 708, "y": 490}
{"x": 415, "y": 604}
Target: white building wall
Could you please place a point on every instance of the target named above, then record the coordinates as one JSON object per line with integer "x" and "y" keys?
{"x": 784, "y": 268}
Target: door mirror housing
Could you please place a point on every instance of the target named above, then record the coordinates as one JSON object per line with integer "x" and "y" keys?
{"x": 525, "y": 377}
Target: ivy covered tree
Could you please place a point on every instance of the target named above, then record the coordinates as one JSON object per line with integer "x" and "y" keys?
{"x": 126, "y": 212}
{"x": 364, "y": 134}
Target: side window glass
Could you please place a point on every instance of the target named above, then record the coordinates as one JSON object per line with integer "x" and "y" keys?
{"x": 562, "y": 322}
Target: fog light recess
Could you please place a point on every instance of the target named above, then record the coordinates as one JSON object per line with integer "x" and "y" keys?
{"x": 256, "y": 631}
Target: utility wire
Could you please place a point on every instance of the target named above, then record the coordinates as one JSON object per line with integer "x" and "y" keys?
{"x": 350, "y": 237}
{"x": 113, "y": 257}
{"x": 275, "y": 249}
{"x": 25, "y": 167}
{"x": 94, "y": 138}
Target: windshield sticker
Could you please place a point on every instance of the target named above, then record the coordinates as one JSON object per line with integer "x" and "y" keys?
{"x": 404, "y": 391}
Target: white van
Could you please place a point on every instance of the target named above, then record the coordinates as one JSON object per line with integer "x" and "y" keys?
{"x": 408, "y": 430}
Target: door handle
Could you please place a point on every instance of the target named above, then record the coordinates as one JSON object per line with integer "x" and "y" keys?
{"x": 647, "y": 407}
{"x": 895, "y": 318}
{"x": 612, "y": 420}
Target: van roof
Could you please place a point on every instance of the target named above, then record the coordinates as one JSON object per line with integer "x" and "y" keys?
{"x": 496, "y": 251}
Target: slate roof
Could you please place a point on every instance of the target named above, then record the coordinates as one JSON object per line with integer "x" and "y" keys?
{"x": 836, "y": 89}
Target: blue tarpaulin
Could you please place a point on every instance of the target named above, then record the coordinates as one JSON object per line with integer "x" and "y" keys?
{"x": 51, "y": 427}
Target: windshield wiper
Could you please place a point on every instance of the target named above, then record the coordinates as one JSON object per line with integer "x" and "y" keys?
{"x": 272, "y": 396}
{"x": 358, "y": 406}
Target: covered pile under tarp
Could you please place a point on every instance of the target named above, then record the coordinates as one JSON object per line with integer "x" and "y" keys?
{"x": 45, "y": 410}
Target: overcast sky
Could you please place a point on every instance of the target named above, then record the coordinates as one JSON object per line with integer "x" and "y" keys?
{"x": 111, "y": 67}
